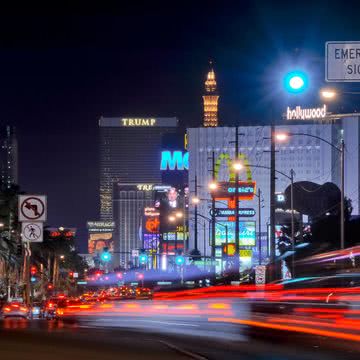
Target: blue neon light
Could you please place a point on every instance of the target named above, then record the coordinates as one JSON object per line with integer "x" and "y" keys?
{"x": 174, "y": 160}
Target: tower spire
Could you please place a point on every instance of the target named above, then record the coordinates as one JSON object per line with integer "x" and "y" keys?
{"x": 210, "y": 99}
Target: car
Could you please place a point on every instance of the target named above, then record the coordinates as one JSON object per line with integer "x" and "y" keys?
{"x": 143, "y": 293}
{"x": 37, "y": 310}
{"x": 15, "y": 309}
{"x": 51, "y": 306}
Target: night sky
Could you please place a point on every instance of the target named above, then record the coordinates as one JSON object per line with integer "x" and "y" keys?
{"x": 60, "y": 73}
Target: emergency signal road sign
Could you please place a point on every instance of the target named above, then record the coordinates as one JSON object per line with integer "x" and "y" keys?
{"x": 32, "y": 231}
{"x": 32, "y": 208}
{"x": 342, "y": 61}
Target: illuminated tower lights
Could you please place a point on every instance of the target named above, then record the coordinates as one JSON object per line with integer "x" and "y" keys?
{"x": 210, "y": 100}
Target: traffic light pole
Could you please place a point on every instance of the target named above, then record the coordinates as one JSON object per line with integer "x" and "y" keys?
{"x": 213, "y": 210}
{"x": 259, "y": 225}
{"x": 237, "y": 229}
{"x": 196, "y": 218}
{"x": 342, "y": 205}
{"x": 28, "y": 279}
{"x": 273, "y": 271}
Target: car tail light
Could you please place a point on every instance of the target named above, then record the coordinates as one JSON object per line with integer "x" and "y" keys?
{"x": 15, "y": 306}
{"x": 23, "y": 308}
{"x": 51, "y": 305}
{"x": 7, "y": 309}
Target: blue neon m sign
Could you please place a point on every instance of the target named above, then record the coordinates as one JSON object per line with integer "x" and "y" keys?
{"x": 174, "y": 160}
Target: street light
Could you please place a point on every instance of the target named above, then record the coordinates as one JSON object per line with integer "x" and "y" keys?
{"x": 179, "y": 214}
{"x": 332, "y": 93}
{"x": 238, "y": 166}
{"x": 172, "y": 218}
{"x": 328, "y": 94}
{"x": 62, "y": 257}
{"x": 195, "y": 200}
{"x": 281, "y": 136}
{"x": 213, "y": 185}
{"x": 291, "y": 178}
{"x": 2, "y": 225}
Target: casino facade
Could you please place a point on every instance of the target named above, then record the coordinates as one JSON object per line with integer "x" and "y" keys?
{"x": 311, "y": 159}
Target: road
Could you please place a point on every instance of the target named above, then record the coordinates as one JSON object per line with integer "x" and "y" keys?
{"x": 216, "y": 329}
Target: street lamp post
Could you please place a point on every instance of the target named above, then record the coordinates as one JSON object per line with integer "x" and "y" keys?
{"x": 237, "y": 228}
{"x": 259, "y": 224}
{"x": 292, "y": 221}
{"x": 272, "y": 225}
{"x": 196, "y": 215}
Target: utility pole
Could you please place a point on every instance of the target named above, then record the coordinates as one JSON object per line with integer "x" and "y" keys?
{"x": 292, "y": 222}
{"x": 342, "y": 202}
{"x": 196, "y": 216}
{"x": 273, "y": 273}
{"x": 237, "y": 229}
{"x": 259, "y": 225}
{"x": 213, "y": 211}
{"x": 28, "y": 280}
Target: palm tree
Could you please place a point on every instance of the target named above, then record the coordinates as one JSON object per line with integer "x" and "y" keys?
{"x": 10, "y": 258}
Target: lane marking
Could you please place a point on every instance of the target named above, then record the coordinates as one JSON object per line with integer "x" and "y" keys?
{"x": 170, "y": 323}
{"x": 184, "y": 352}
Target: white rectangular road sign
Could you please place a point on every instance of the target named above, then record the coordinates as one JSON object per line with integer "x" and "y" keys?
{"x": 32, "y": 208}
{"x": 135, "y": 253}
{"x": 342, "y": 61}
{"x": 32, "y": 231}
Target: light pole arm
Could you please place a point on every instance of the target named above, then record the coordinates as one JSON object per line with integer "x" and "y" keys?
{"x": 268, "y": 168}
{"x": 316, "y": 137}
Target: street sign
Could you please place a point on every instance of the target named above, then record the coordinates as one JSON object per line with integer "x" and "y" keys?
{"x": 342, "y": 61}
{"x": 260, "y": 274}
{"x": 243, "y": 212}
{"x": 135, "y": 253}
{"x": 32, "y": 231}
{"x": 32, "y": 208}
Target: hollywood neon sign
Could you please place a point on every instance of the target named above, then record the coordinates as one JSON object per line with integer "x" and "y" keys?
{"x": 306, "y": 114}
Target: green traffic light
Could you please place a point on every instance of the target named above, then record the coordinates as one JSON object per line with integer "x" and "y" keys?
{"x": 105, "y": 257}
{"x": 180, "y": 260}
{"x": 295, "y": 82}
{"x": 143, "y": 259}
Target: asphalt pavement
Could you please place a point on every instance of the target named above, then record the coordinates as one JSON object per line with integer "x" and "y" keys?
{"x": 178, "y": 330}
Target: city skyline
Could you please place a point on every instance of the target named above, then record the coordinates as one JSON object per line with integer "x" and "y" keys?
{"x": 64, "y": 83}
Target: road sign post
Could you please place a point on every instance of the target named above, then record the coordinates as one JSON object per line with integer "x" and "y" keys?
{"x": 32, "y": 212}
{"x": 342, "y": 61}
{"x": 32, "y": 231}
{"x": 32, "y": 208}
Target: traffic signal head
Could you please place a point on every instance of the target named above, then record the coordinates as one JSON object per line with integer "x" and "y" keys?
{"x": 143, "y": 258}
{"x": 105, "y": 255}
{"x": 71, "y": 274}
{"x": 295, "y": 82}
{"x": 50, "y": 286}
{"x": 33, "y": 270}
{"x": 180, "y": 260}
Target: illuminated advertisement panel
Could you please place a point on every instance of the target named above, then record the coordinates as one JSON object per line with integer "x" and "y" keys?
{"x": 97, "y": 241}
{"x": 100, "y": 235}
{"x": 173, "y": 205}
{"x": 247, "y": 233}
{"x": 151, "y": 228}
{"x": 245, "y": 190}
